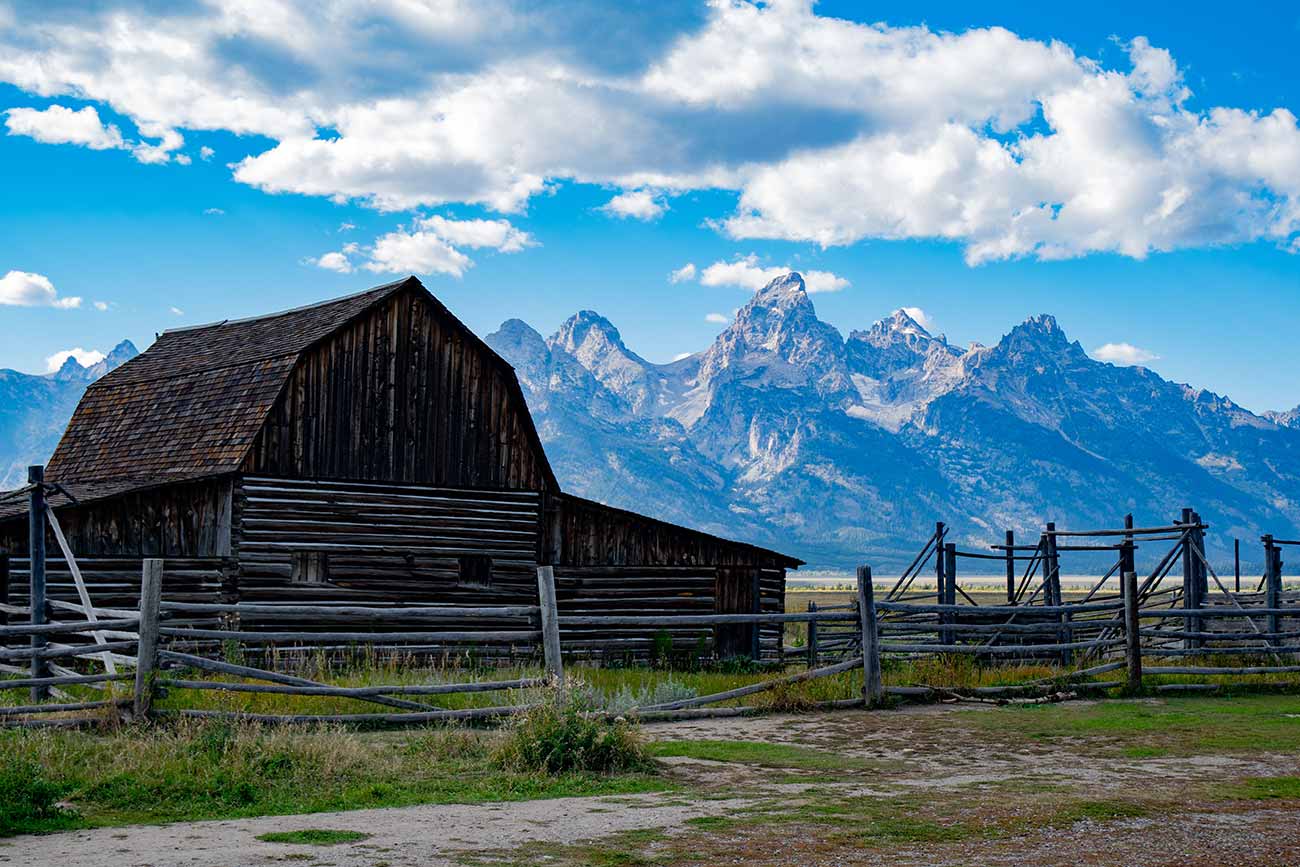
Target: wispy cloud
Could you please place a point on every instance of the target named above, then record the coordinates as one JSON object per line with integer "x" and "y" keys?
{"x": 717, "y": 318}
{"x": 686, "y": 272}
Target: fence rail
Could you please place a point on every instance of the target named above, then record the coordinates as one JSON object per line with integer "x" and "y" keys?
{"x": 1139, "y": 627}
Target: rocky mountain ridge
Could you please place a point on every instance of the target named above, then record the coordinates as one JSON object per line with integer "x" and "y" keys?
{"x": 34, "y": 410}
{"x": 839, "y": 449}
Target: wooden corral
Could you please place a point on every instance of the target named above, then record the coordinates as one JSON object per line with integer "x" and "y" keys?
{"x": 369, "y": 449}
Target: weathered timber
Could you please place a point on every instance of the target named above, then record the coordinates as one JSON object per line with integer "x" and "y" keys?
{"x": 357, "y": 691}
{"x": 147, "y": 652}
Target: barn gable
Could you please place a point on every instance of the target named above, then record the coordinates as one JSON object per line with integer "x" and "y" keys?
{"x": 383, "y": 385}
{"x": 402, "y": 393}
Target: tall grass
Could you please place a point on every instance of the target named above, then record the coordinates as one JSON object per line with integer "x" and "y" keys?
{"x": 208, "y": 769}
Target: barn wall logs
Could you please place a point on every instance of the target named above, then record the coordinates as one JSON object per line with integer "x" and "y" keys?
{"x": 403, "y": 394}
{"x": 366, "y": 543}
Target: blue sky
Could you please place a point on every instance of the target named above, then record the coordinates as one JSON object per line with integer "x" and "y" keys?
{"x": 1123, "y": 166}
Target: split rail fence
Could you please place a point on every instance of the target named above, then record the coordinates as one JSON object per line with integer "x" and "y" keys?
{"x": 1127, "y": 624}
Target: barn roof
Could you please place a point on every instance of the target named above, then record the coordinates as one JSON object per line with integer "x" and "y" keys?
{"x": 191, "y": 406}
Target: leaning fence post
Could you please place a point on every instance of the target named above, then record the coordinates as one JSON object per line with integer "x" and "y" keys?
{"x": 36, "y": 597}
{"x": 872, "y": 689}
{"x": 550, "y": 623}
{"x": 1132, "y": 634}
{"x": 147, "y": 648}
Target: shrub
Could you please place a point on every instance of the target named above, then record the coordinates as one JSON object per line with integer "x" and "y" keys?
{"x": 561, "y": 735}
{"x": 28, "y": 802}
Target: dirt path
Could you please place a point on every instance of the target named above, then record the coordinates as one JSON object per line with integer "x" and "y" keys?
{"x": 920, "y": 786}
{"x": 434, "y": 835}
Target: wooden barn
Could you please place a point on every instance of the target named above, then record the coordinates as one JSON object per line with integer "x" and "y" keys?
{"x": 366, "y": 449}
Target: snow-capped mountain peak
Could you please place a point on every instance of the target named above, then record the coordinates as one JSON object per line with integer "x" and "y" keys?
{"x": 787, "y": 434}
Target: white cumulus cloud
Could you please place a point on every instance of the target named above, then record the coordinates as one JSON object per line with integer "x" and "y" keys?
{"x": 84, "y": 357}
{"x": 746, "y": 273}
{"x": 825, "y": 130}
{"x": 430, "y": 245}
{"x": 1123, "y": 354}
{"x": 637, "y": 204}
{"x": 335, "y": 261}
{"x": 717, "y": 318}
{"x": 682, "y": 274}
{"x": 61, "y": 125}
{"x": 25, "y": 289}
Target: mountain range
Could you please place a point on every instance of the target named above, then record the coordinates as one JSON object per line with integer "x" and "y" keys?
{"x": 847, "y": 450}
{"x": 34, "y": 410}
{"x": 842, "y": 450}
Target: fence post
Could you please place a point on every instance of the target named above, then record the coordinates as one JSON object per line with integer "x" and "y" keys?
{"x": 1191, "y": 586}
{"x": 4, "y": 587}
{"x": 949, "y": 590}
{"x": 1132, "y": 635}
{"x": 36, "y": 551}
{"x": 938, "y": 561}
{"x": 550, "y": 623}
{"x": 147, "y": 650}
{"x": 872, "y": 689}
{"x": 1053, "y": 589}
{"x": 1236, "y": 564}
{"x": 1011, "y": 567}
{"x": 1272, "y": 584}
{"x": 812, "y": 637}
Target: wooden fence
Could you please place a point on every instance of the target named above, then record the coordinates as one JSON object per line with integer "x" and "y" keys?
{"x": 1126, "y": 622}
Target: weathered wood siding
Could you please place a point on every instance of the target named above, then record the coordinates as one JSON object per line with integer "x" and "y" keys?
{"x": 184, "y": 520}
{"x": 584, "y": 533}
{"x": 612, "y": 561}
{"x": 402, "y": 394}
{"x": 385, "y": 543}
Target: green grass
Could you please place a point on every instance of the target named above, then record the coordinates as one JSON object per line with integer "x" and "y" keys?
{"x": 213, "y": 770}
{"x": 1265, "y": 789}
{"x": 1154, "y": 727}
{"x": 314, "y": 837}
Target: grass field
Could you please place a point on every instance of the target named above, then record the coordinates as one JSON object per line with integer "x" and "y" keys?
{"x": 926, "y": 787}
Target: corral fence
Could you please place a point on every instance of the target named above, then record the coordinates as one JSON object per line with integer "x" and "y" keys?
{"x": 1127, "y": 624}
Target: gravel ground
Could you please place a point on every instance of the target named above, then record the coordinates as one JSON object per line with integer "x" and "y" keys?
{"x": 924, "y": 752}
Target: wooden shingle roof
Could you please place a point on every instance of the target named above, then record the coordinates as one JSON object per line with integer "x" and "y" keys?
{"x": 191, "y": 405}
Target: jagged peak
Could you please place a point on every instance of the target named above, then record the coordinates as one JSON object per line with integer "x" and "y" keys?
{"x": 787, "y": 284}
{"x": 1044, "y": 323}
{"x": 582, "y": 326}
{"x": 124, "y": 350}
{"x": 901, "y": 320}
{"x": 516, "y": 332}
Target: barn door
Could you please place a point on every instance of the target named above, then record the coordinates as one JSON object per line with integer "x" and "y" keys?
{"x": 736, "y": 591}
